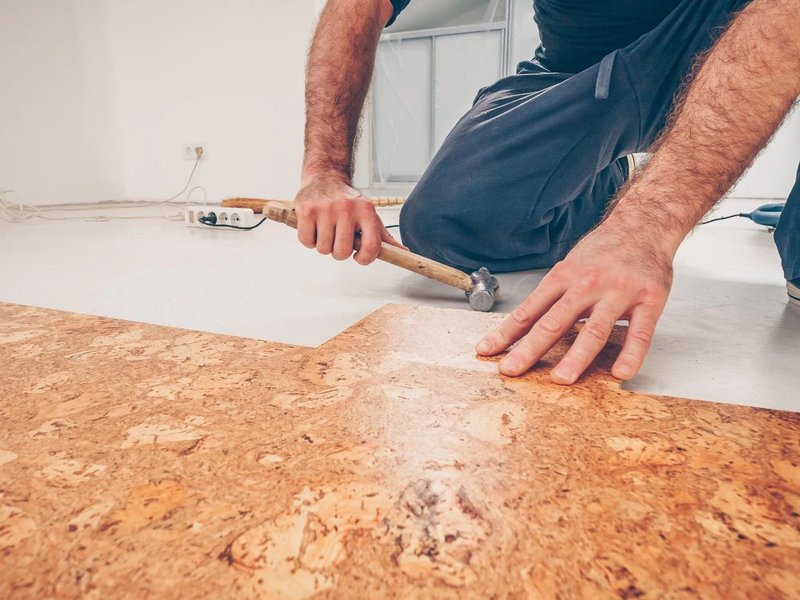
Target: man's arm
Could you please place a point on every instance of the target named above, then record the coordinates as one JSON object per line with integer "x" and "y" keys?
{"x": 623, "y": 269}
{"x": 330, "y": 211}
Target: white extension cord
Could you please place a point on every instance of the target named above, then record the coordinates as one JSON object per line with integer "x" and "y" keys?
{"x": 15, "y": 211}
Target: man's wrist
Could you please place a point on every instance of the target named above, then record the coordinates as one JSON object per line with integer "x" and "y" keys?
{"x": 657, "y": 228}
{"x": 327, "y": 173}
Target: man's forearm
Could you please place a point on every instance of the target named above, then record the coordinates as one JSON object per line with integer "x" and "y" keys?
{"x": 333, "y": 216}
{"x": 736, "y": 101}
{"x": 623, "y": 269}
{"x": 340, "y": 67}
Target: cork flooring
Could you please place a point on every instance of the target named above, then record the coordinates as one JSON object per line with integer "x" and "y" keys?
{"x": 138, "y": 460}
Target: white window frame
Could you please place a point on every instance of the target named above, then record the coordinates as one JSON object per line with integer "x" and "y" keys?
{"x": 504, "y": 27}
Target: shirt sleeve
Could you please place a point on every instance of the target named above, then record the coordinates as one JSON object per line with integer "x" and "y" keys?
{"x": 399, "y": 5}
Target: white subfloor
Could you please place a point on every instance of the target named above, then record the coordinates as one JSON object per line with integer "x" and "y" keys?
{"x": 728, "y": 333}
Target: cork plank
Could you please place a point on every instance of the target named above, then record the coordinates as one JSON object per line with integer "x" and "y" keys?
{"x": 139, "y": 460}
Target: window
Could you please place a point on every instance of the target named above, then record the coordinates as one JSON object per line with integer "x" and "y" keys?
{"x": 429, "y": 67}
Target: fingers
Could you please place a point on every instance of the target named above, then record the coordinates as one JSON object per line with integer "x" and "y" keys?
{"x": 519, "y": 322}
{"x": 306, "y": 229}
{"x": 544, "y": 334}
{"x": 344, "y": 237}
{"x": 389, "y": 239}
{"x": 590, "y": 341}
{"x": 326, "y": 232}
{"x": 334, "y": 228}
{"x": 373, "y": 234}
{"x": 637, "y": 342}
{"x": 370, "y": 242}
{"x": 605, "y": 276}
{"x": 329, "y": 211}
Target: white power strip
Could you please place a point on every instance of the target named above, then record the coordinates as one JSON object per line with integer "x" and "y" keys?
{"x": 235, "y": 217}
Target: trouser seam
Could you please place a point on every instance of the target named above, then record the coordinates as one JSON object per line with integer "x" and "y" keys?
{"x": 636, "y": 97}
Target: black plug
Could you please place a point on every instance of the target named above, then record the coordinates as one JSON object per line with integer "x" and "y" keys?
{"x": 209, "y": 219}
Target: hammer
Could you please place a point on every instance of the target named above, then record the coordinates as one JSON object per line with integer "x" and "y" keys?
{"x": 481, "y": 288}
{"x": 257, "y": 204}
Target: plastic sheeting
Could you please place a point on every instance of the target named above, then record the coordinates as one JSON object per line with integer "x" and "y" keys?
{"x": 425, "y": 80}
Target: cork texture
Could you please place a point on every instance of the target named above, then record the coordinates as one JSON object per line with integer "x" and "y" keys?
{"x": 142, "y": 461}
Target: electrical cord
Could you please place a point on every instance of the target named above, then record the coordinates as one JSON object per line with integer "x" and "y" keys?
{"x": 212, "y": 222}
{"x": 206, "y": 221}
{"x": 18, "y": 212}
{"x": 767, "y": 215}
{"x": 724, "y": 218}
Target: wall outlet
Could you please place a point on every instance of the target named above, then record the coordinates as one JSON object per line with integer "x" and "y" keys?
{"x": 235, "y": 217}
{"x": 190, "y": 151}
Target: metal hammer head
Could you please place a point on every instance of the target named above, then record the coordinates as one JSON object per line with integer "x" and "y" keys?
{"x": 484, "y": 290}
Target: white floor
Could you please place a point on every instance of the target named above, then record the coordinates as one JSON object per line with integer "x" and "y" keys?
{"x": 728, "y": 333}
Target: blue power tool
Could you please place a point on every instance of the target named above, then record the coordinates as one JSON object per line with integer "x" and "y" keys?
{"x": 767, "y": 215}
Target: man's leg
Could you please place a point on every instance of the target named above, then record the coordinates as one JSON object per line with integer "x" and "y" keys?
{"x": 530, "y": 169}
{"x": 787, "y": 235}
{"x": 474, "y": 205}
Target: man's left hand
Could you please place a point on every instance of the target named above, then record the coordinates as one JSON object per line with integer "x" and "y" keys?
{"x": 615, "y": 273}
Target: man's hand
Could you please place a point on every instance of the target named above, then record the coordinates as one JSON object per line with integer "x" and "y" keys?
{"x": 612, "y": 274}
{"x": 332, "y": 215}
{"x": 623, "y": 269}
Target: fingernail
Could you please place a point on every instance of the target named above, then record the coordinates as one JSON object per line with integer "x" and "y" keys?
{"x": 625, "y": 371}
{"x": 510, "y": 365}
{"x": 563, "y": 374}
{"x": 484, "y": 346}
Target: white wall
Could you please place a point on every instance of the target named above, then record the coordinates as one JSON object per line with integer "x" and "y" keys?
{"x": 226, "y": 74}
{"x": 773, "y": 173}
{"x": 58, "y": 135}
{"x": 98, "y": 98}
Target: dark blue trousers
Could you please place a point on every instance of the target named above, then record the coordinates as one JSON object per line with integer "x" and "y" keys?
{"x": 787, "y": 233}
{"x": 531, "y": 167}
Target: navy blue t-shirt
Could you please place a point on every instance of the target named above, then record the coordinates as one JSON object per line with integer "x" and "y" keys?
{"x": 578, "y": 33}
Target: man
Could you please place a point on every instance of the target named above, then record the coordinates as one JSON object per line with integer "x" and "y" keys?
{"x": 526, "y": 179}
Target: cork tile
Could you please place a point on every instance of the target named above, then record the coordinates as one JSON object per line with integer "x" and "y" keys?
{"x": 390, "y": 462}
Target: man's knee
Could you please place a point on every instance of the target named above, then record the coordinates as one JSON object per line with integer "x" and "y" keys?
{"x": 435, "y": 229}
{"x": 415, "y": 227}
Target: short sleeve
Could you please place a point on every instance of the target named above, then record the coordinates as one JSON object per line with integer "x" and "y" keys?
{"x": 399, "y": 5}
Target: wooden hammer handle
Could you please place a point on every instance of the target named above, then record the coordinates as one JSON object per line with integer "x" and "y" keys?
{"x": 281, "y": 213}
{"x": 390, "y": 254}
{"x": 258, "y": 204}
{"x": 425, "y": 266}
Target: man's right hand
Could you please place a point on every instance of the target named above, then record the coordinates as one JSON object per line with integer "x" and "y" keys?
{"x": 334, "y": 218}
